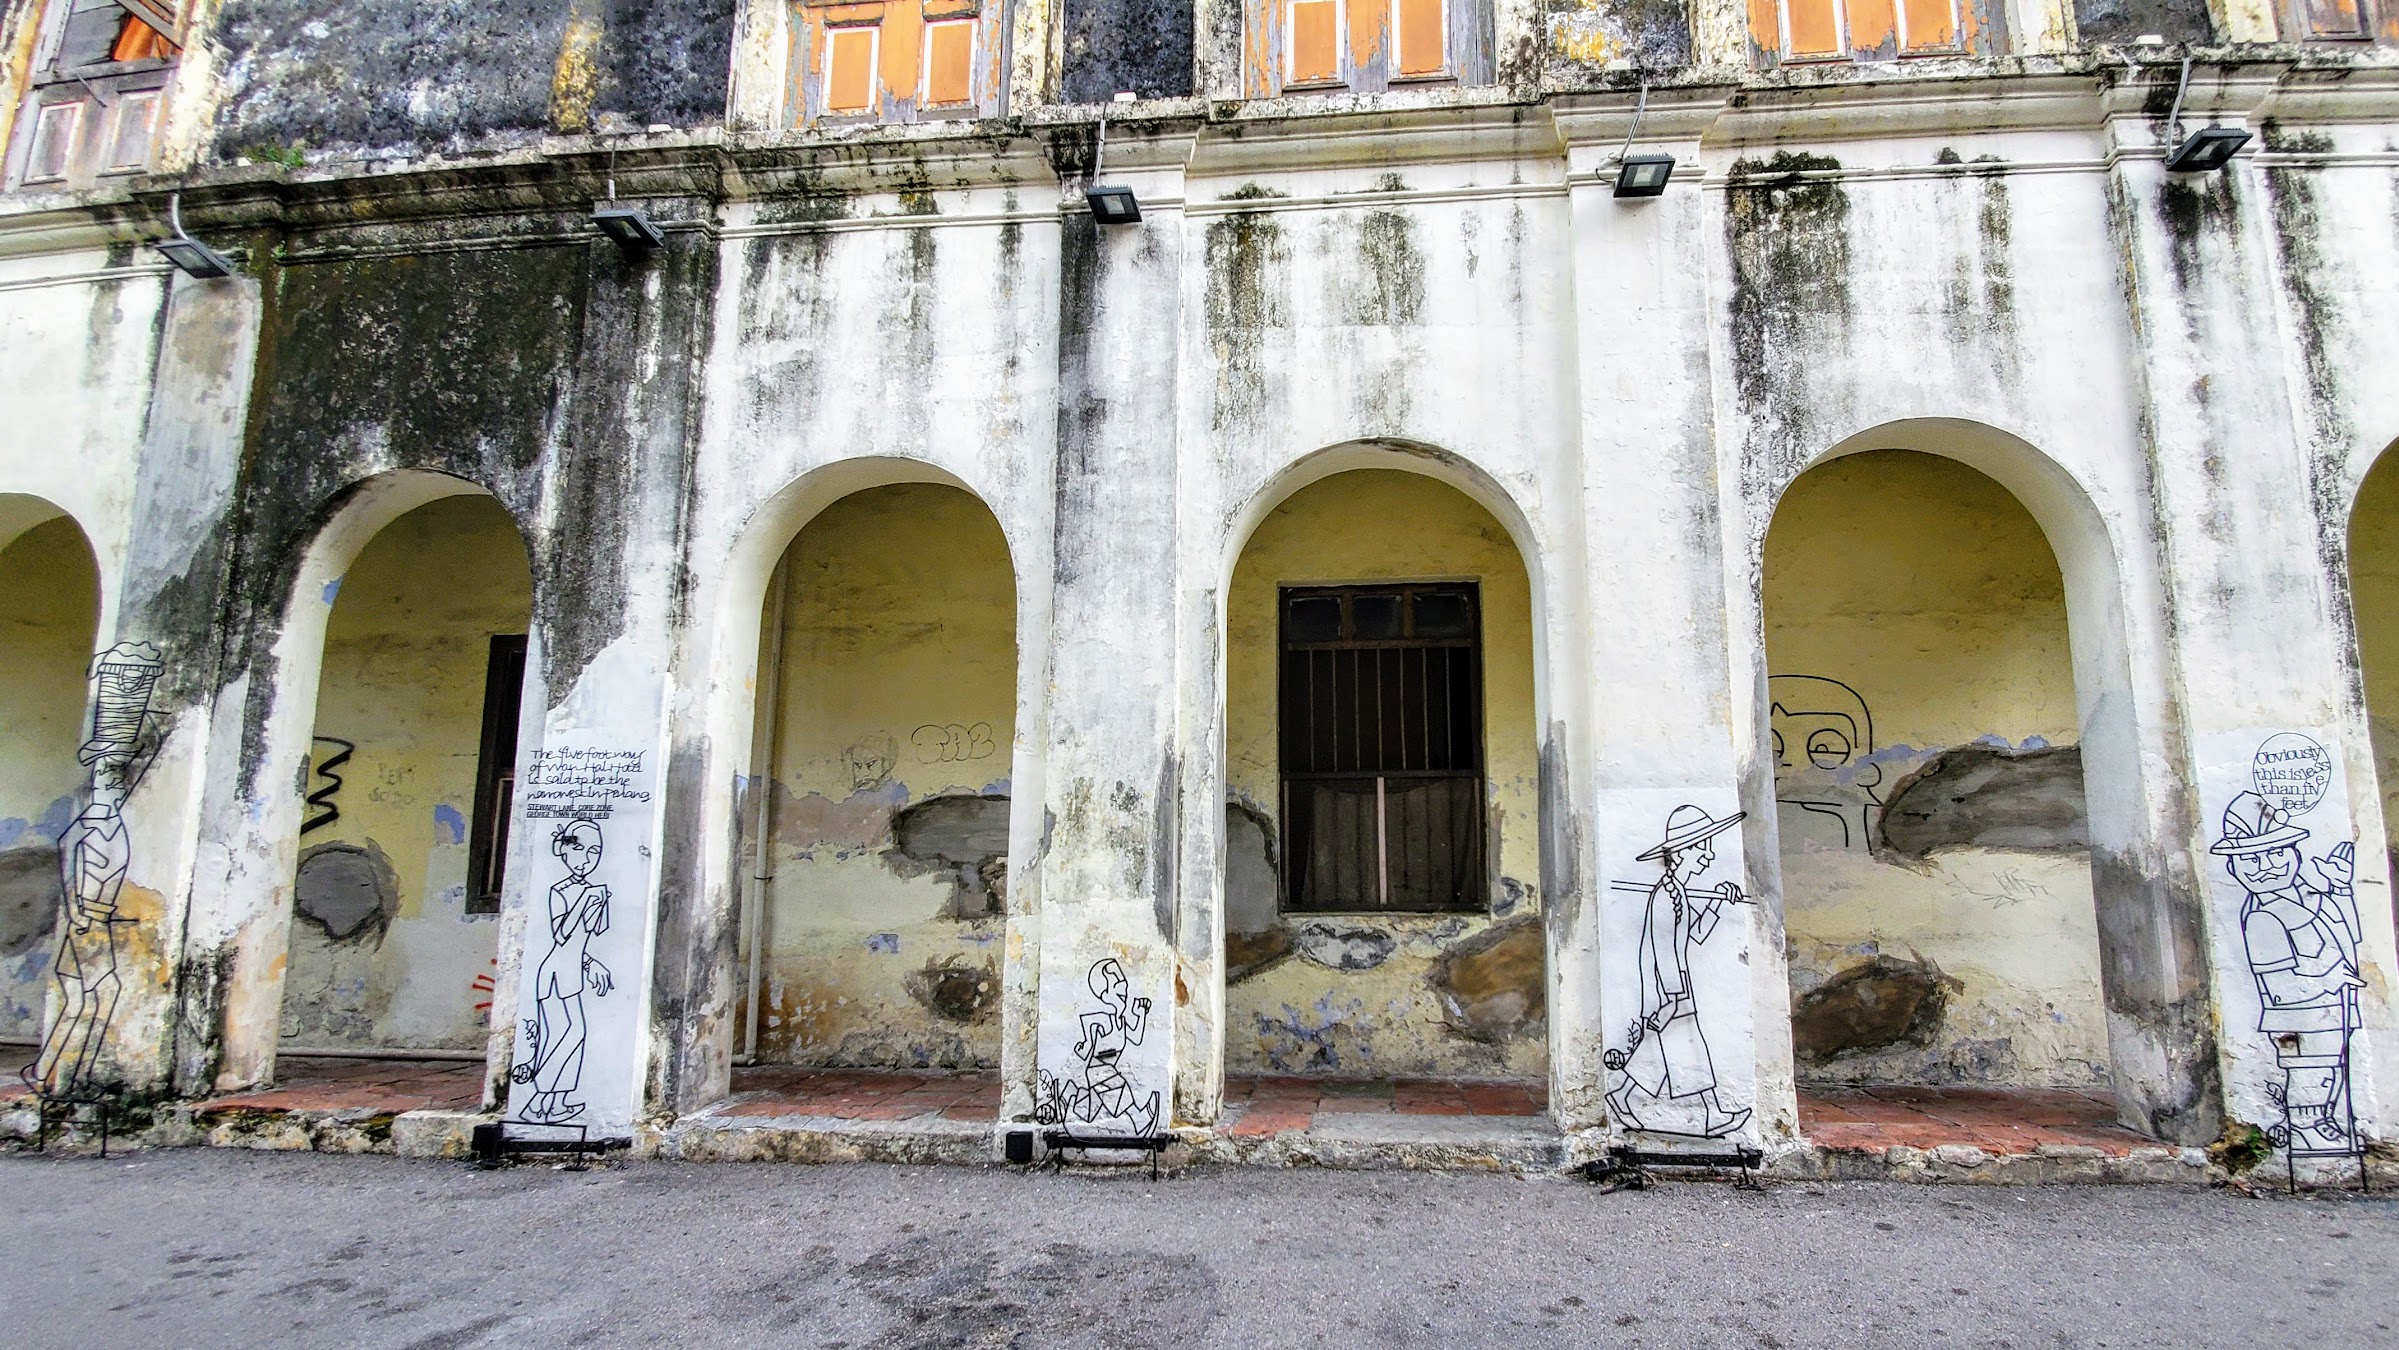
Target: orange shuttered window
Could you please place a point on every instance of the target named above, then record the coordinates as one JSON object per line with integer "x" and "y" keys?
{"x": 2335, "y": 18}
{"x": 949, "y": 62}
{"x": 1315, "y": 39}
{"x": 1423, "y": 45}
{"x": 1932, "y": 25}
{"x": 1814, "y": 28}
{"x": 850, "y": 68}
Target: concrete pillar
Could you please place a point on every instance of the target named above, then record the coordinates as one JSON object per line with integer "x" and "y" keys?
{"x": 2257, "y": 653}
{"x": 1673, "y": 671}
{"x": 1106, "y": 868}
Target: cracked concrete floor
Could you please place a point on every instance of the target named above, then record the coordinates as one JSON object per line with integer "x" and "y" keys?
{"x": 203, "y": 1247}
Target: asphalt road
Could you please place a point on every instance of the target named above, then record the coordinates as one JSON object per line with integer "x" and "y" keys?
{"x": 202, "y": 1247}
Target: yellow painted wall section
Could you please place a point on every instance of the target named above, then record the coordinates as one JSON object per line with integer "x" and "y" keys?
{"x": 49, "y": 610}
{"x": 2374, "y": 605}
{"x": 406, "y": 651}
{"x": 898, "y": 688}
{"x": 1298, "y": 1015}
{"x": 1929, "y": 592}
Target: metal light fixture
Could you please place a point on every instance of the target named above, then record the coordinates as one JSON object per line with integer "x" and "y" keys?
{"x": 2205, "y": 150}
{"x": 1114, "y": 205}
{"x": 1640, "y": 175}
{"x": 1111, "y": 203}
{"x": 1643, "y": 175}
{"x": 190, "y": 256}
{"x": 633, "y": 231}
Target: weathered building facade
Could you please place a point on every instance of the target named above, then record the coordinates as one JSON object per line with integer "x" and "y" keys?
{"x": 1911, "y": 602}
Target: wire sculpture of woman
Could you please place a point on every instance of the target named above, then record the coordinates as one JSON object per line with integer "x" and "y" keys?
{"x": 578, "y": 912}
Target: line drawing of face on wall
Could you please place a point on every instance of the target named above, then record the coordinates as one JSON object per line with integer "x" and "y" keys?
{"x": 94, "y": 855}
{"x": 1823, "y": 737}
{"x": 560, "y": 1027}
{"x": 1664, "y": 1071}
{"x": 2299, "y": 932}
{"x": 1099, "y": 1090}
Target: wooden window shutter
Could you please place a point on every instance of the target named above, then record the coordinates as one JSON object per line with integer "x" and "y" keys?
{"x": 1315, "y": 41}
{"x": 850, "y": 54}
{"x": 2335, "y": 18}
{"x": 949, "y": 62}
{"x": 1932, "y": 25}
{"x": 1423, "y": 37}
{"x": 1812, "y": 29}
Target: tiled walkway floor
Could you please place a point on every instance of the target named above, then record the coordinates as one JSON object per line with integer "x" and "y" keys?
{"x": 1265, "y": 1106}
{"x": 863, "y": 1094}
{"x": 1997, "y": 1121}
{"x": 393, "y": 1085}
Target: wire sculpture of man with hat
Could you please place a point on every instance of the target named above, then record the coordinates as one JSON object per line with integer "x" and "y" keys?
{"x": 2302, "y": 945}
{"x": 1668, "y": 1059}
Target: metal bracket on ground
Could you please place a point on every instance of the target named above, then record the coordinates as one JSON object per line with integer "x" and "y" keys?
{"x": 61, "y": 1110}
{"x": 492, "y": 1144}
{"x": 1059, "y": 1141}
{"x": 1630, "y": 1169}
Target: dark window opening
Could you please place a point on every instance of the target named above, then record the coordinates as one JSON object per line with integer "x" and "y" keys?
{"x": 495, "y": 773}
{"x": 1382, "y": 748}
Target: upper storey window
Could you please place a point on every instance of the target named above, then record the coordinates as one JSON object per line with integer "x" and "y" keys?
{"x": 1794, "y": 31}
{"x": 98, "y": 88}
{"x": 2344, "y": 20}
{"x": 1365, "y": 46}
{"x": 894, "y": 60}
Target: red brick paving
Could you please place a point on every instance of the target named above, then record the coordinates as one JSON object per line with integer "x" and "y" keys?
{"x": 1272, "y": 1105}
{"x": 1995, "y": 1120}
{"x": 374, "y": 1085}
{"x": 863, "y": 1094}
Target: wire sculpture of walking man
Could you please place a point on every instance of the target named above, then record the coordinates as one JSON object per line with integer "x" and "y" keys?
{"x": 1668, "y": 1059}
{"x": 578, "y": 912}
{"x": 94, "y": 854}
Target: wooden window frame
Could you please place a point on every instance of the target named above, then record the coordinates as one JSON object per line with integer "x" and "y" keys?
{"x": 1268, "y": 65}
{"x": 1965, "y": 38}
{"x": 495, "y": 773}
{"x": 1467, "y": 773}
{"x": 896, "y": 96}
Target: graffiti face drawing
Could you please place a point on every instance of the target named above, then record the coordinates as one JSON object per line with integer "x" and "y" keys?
{"x": 1823, "y": 746}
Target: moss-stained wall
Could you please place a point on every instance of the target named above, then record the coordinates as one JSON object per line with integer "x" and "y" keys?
{"x": 383, "y": 951}
{"x": 1935, "y": 871}
{"x": 894, "y": 722}
{"x": 1375, "y": 995}
{"x": 49, "y": 606}
{"x": 305, "y": 74}
{"x": 2374, "y": 601}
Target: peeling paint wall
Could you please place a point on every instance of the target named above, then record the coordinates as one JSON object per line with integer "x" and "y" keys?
{"x": 383, "y": 951}
{"x": 1381, "y": 994}
{"x": 1936, "y": 882}
{"x": 49, "y": 606}
{"x": 889, "y": 833}
{"x": 2374, "y": 601}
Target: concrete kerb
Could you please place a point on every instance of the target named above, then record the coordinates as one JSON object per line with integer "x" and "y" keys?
{"x": 1358, "y": 1143}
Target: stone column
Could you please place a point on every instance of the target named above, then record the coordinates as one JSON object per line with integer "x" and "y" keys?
{"x": 2275, "y": 764}
{"x": 1105, "y": 871}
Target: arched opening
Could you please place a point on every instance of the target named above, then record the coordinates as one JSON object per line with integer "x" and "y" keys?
{"x": 874, "y": 824}
{"x": 2374, "y": 608}
{"x": 403, "y": 839}
{"x": 1384, "y": 948}
{"x": 49, "y": 618}
{"x": 1944, "y": 946}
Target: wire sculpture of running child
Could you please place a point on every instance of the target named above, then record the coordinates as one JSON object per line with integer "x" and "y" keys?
{"x": 1103, "y": 1093}
{"x": 578, "y": 912}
